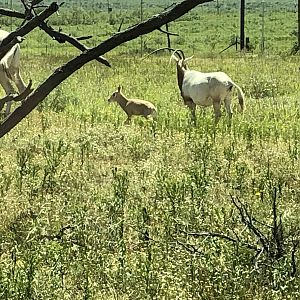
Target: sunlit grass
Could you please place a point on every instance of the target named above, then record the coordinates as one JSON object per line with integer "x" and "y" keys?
{"x": 82, "y": 193}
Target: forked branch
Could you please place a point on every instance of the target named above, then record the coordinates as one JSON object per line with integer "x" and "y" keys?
{"x": 167, "y": 32}
{"x": 268, "y": 247}
{"x": 63, "y": 37}
{"x": 33, "y": 23}
{"x": 58, "y": 36}
{"x": 248, "y": 220}
{"x": 25, "y": 93}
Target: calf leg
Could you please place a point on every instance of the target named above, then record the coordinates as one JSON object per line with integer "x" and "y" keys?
{"x": 128, "y": 120}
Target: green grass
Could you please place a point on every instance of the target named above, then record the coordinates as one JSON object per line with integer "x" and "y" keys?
{"x": 201, "y": 32}
{"x": 82, "y": 193}
{"x": 94, "y": 209}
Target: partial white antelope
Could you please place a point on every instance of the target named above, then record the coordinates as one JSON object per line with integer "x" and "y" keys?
{"x": 133, "y": 107}
{"x": 205, "y": 89}
{"x": 10, "y": 71}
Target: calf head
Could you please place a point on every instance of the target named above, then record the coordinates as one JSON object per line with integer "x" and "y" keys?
{"x": 115, "y": 95}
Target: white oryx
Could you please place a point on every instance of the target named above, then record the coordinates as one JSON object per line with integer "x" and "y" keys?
{"x": 205, "y": 89}
{"x": 10, "y": 70}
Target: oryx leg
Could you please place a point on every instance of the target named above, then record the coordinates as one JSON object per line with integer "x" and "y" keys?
{"x": 192, "y": 106}
{"x": 227, "y": 102}
{"x": 19, "y": 82}
{"x": 217, "y": 109}
{"x": 8, "y": 88}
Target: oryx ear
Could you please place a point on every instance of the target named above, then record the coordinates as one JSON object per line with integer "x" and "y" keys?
{"x": 189, "y": 58}
{"x": 119, "y": 89}
{"x": 173, "y": 57}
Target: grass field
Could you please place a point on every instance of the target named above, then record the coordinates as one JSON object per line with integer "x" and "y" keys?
{"x": 94, "y": 209}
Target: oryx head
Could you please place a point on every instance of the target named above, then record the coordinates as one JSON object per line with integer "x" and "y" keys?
{"x": 181, "y": 61}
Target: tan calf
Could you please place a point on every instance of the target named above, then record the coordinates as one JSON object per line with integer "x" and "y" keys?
{"x": 133, "y": 107}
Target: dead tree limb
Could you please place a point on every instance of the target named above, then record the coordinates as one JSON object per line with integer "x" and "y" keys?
{"x": 247, "y": 219}
{"x": 33, "y": 23}
{"x": 221, "y": 236}
{"x": 63, "y": 37}
{"x": 120, "y": 26}
{"x": 11, "y": 13}
{"x": 14, "y": 37}
{"x": 58, "y": 36}
{"x": 82, "y": 38}
{"x": 17, "y": 97}
{"x": 189, "y": 247}
{"x": 5, "y": 48}
{"x": 35, "y": 2}
{"x": 25, "y": 93}
{"x": 167, "y": 32}
{"x": 28, "y": 11}
{"x": 75, "y": 64}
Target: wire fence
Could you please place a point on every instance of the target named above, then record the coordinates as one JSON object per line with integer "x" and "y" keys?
{"x": 285, "y": 5}
{"x": 86, "y": 4}
{"x": 39, "y": 42}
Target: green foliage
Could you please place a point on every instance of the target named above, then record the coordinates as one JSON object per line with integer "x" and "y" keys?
{"x": 201, "y": 31}
{"x": 59, "y": 100}
{"x": 94, "y": 209}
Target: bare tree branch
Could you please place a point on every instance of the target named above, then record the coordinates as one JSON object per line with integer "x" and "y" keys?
{"x": 11, "y": 13}
{"x": 73, "y": 65}
{"x": 62, "y": 38}
{"x": 28, "y": 13}
{"x": 81, "y": 38}
{"x": 25, "y": 93}
{"x": 190, "y": 248}
{"x": 56, "y": 35}
{"x": 248, "y": 220}
{"x": 16, "y": 97}
{"x": 15, "y": 36}
{"x": 167, "y": 32}
{"x": 5, "y": 48}
{"x": 35, "y": 2}
{"x": 33, "y": 23}
{"x": 120, "y": 26}
{"x": 220, "y": 236}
